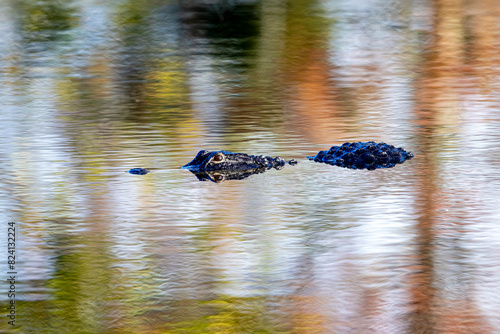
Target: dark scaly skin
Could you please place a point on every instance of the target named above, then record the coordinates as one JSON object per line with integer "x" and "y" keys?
{"x": 363, "y": 155}
{"x": 206, "y": 161}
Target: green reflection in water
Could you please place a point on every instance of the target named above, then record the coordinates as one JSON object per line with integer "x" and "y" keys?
{"x": 229, "y": 315}
{"x": 82, "y": 288}
{"x": 44, "y": 20}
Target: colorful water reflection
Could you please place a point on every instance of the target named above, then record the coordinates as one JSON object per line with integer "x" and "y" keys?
{"x": 92, "y": 89}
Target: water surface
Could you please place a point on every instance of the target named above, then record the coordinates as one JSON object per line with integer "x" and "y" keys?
{"x": 91, "y": 89}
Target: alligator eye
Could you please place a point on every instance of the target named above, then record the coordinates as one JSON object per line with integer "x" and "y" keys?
{"x": 218, "y": 178}
{"x": 218, "y": 157}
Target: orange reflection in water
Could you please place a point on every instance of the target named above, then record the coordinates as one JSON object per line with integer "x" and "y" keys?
{"x": 449, "y": 73}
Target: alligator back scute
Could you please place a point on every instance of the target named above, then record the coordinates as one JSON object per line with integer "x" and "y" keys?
{"x": 363, "y": 155}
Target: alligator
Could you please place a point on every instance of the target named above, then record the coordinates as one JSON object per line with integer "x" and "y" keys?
{"x": 363, "y": 155}
{"x": 218, "y": 166}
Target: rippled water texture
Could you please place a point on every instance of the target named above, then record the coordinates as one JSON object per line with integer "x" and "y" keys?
{"x": 91, "y": 89}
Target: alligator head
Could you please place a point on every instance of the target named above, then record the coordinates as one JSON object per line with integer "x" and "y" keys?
{"x": 206, "y": 161}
